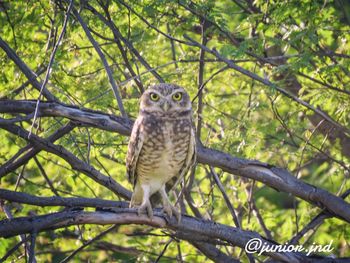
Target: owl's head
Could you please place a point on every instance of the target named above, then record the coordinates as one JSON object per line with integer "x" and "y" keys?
{"x": 165, "y": 99}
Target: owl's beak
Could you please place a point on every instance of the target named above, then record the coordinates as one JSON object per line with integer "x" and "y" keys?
{"x": 165, "y": 106}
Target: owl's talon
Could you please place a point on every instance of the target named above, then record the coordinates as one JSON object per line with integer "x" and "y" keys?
{"x": 171, "y": 210}
{"x": 145, "y": 208}
{"x": 177, "y": 214}
{"x": 168, "y": 210}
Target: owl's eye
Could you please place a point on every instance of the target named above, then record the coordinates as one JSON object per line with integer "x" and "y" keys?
{"x": 154, "y": 96}
{"x": 177, "y": 96}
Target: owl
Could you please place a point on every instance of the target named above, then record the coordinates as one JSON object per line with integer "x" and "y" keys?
{"x": 162, "y": 147}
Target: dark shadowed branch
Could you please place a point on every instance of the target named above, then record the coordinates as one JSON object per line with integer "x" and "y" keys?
{"x": 206, "y": 229}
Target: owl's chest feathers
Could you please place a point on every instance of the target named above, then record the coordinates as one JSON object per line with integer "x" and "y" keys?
{"x": 164, "y": 150}
{"x": 168, "y": 161}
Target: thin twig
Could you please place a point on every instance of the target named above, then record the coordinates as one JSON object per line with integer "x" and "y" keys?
{"x": 224, "y": 194}
{"x": 40, "y": 71}
{"x": 13, "y": 249}
{"x": 48, "y": 70}
{"x": 32, "y": 247}
{"x": 112, "y": 82}
{"x": 29, "y": 151}
{"x": 75, "y": 162}
{"x": 47, "y": 179}
{"x": 315, "y": 222}
{"x": 99, "y": 236}
{"x": 173, "y": 51}
{"x": 204, "y": 40}
{"x": 128, "y": 44}
{"x": 163, "y": 250}
{"x": 9, "y": 215}
{"x": 31, "y": 76}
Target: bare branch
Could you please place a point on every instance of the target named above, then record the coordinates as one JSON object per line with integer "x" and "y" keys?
{"x": 150, "y": 25}
{"x": 47, "y": 179}
{"x": 234, "y": 236}
{"x": 23, "y": 239}
{"x": 40, "y": 71}
{"x": 86, "y": 116}
{"x": 227, "y": 200}
{"x": 32, "y": 248}
{"x": 204, "y": 40}
{"x": 213, "y": 253}
{"x": 314, "y": 223}
{"x": 277, "y": 178}
{"x": 130, "y": 46}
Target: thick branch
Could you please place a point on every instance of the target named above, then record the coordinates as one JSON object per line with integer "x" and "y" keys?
{"x": 86, "y": 116}
{"x": 277, "y": 178}
{"x": 234, "y": 236}
{"x": 208, "y": 249}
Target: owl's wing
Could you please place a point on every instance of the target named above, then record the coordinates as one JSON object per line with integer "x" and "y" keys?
{"x": 134, "y": 149}
{"x": 191, "y": 154}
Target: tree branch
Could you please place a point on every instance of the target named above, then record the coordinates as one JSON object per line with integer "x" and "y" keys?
{"x": 233, "y": 236}
{"x": 208, "y": 249}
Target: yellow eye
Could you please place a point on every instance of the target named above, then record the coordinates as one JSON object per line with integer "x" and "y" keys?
{"x": 177, "y": 96}
{"x": 154, "y": 96}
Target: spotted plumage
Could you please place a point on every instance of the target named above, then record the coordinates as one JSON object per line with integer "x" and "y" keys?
{"x": 162, "y": 146}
